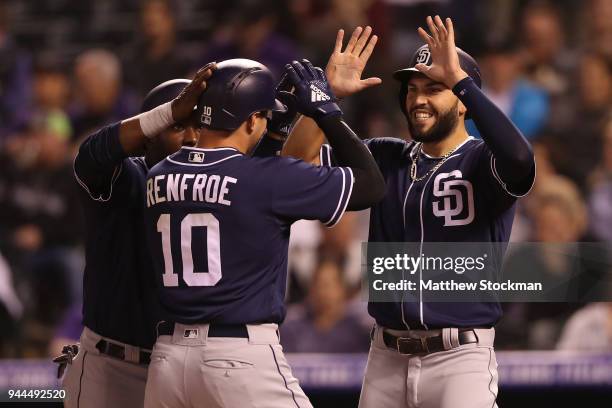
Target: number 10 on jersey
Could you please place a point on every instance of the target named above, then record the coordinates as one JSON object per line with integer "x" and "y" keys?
{"x": 190, "y": 276}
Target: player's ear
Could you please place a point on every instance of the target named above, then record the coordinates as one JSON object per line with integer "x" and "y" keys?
{"x": 461, "y": 109}
{"x": 253, "y": 121}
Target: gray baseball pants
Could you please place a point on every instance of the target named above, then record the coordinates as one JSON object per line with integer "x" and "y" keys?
{"x": 460, "y": 377}
{"x": 95, "y": 380}
{"x": 190, "y": 369}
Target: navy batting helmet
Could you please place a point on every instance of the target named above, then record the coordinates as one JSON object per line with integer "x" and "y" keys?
{"x": 237, "y": 89}
{"x": 162, "y": 93}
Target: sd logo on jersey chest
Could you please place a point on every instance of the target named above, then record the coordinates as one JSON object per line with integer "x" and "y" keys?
{"x": 456, "y": 199}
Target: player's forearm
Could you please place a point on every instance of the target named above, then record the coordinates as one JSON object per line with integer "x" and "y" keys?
{"x": 369, "y": 185}
{"x": 131, "y": 136}
{"x": 514, "y": 158}
{"x": 304, "y": 141}
{"x": 134, "y": 132}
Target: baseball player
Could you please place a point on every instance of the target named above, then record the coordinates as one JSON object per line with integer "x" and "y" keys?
{"x": 444, "y": 186}
{"x": 120, "y": 307}
{"x": 218, "y": 224}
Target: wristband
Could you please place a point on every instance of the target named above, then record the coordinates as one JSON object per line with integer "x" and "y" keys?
{"x": 156, "y": 120}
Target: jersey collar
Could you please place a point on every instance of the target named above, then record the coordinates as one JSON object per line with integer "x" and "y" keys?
{"x": 195, "y": 156}
{"x": 413, "y": 150}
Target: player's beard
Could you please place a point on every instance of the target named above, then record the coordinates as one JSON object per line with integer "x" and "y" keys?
{"x": 445, "y": 124}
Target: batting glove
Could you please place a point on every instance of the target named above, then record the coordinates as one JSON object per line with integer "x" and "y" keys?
{"x": 312, "y": 93}
{"x": 281, "y": 122}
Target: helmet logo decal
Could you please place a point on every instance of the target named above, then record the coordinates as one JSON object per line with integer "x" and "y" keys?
{"x": 206, "y": 114}
{"x": 423, "y": 56}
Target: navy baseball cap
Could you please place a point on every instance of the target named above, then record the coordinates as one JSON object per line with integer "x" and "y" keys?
{"x": 423, "y": 56}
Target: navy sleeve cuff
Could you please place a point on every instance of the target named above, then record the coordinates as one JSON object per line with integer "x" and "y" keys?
{"x": 462, "y": 87}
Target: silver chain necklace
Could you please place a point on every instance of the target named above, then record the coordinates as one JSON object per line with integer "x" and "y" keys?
{"x": 415, "y": 159}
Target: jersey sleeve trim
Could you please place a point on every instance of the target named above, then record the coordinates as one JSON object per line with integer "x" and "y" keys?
{"x": 505, "y": 186}
{"x": 345, "y": 195}
{"x": 101, "y": 197}
{"x": 325, "y": 155}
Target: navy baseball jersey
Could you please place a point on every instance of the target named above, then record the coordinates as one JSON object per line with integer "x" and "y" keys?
{"x": 119, "y": 296}
{"x": 218, "y": 225}
{"x": 462, "y": 201}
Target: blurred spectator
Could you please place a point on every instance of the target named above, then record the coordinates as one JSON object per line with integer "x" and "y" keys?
{"x": 599, "y": 26}
{"x": 547, "y": 176}
{"x": 40, "y": 224}
{"x": 370, "y": 112}
{"x": 15, "y": 80}
{"x": 526, "y": 104}
{"x": 589, "y": 329}
{"x": 305, "y": 239}
{"x": 323, "y": 324}
{"x": 565, "y": 252}
{"x": 155, "y": 57}
{"x": 577, "y": 148}
{"x": 343, "y": 241}
{"x": 329, "y": 17}
{"x": 51, "y": 93}
{"x": 549, "y": 63}
{"x": 99, "y": 98}
{"x": 252, "y": 33}
{"x": 522, "y": 226}
{"x": 600, "y": 198}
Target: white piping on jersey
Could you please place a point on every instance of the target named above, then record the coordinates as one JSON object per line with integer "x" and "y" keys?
{"x": 114, "y": 178}
{"x": 211, "y": 149}
{"x": 504, "y": 185}
{"x": 325, "y": 157}
{"x": 421, "y": 248}
{"x": 329, "y": 223}
{"x": 403, "y": 292}
{"x": 404, "y": 218}
{"x": 321, "y": 163}
{"x": 204, "y": 164}
{"x": 422, "y": 229}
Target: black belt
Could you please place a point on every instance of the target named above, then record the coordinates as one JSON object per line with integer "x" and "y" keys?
{"x": 425, "y": 345}
{"x": 118, "y": 351}
{"x": 214, "y": 330}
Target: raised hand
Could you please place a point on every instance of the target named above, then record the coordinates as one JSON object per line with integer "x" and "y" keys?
{"x": 280, "y": 122}
{"x": 312, "y": 92}
{"x": 445, "y": 66}
{"x": 344, "y": 68}
{"x": 182, "y": 105}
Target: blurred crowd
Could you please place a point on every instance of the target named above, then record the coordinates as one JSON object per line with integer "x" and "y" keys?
{"x": 68, "y": 67}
